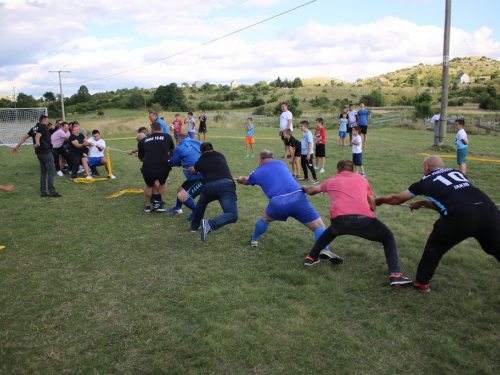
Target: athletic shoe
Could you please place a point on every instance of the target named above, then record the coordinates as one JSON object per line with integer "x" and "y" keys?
{"x": 70, "y": 179}
{"x": 289, "y": 156}
{"x": 81, "y": 170}
{"x": 310, "y": 261}
{"x": 399, "y": 279}
{"x": 303, "y": 179}
{"x": 363, "y": 175}
{"x": 313, "y": 182}
{"x": 194, "y": 230}
{"x": 175, "y": 211}
{"x": 88, "y": 177}
{"x": 252, "y": 156}
{"x": 44, "y": 195}
{"x": 205, "y": 229}
{"x": 55, "y": 195}
{"x": 168, "y": 180}
{"x": 247, "y": 156}
{"x": 60, "y": 173}
{"x": 161, "y": 208}
{"x": 316, "y": 168}
{"x": 334, "y": 258}
{"x": 421, "y": 287}
{"x": 112, "y": 177}
{"x": 190, "y": 216}
{"x": 321, "y": 170}
{"x": 254, "y": 243}
{"x": 147, "y": 209}
{"x": 96, "y": 175}
{"x": 297, "y": 177}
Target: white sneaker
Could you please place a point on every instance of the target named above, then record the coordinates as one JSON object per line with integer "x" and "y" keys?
{"x": 89, "y": 177}
{"x": 316, "y": 168}
{"x": 81, "y": 170}
{"x": 112, "y": 177}
{"x": 321, "y": 170}
{"x": 60, "y": 173}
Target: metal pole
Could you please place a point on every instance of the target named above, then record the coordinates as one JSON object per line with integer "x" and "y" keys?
{"x": 443, "y": 121}
{"x": 60, "y": 88}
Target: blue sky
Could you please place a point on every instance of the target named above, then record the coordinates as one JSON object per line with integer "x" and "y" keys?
{"x": 337, "y": 39}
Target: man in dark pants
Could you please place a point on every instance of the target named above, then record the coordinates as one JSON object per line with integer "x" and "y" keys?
{"x": 351, "y": 213}
{"x": 218, "y": 185}
{"x": 465, "y": 212}
{"x": 43, "y": 151}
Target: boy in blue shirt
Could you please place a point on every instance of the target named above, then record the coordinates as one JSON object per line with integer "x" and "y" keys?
{"x": 363, "y": 117}
{"x": 306, "y": 153}
{"x": 249, "y": 139}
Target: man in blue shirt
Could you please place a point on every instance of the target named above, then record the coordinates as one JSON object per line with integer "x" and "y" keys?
{"x": 286, "y": 199}
{"x": 186, "y": 155}
{"x": 363, "y": 117}
{"x": 153, "y": 117}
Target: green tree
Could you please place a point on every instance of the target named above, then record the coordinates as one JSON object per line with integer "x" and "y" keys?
{"x": 136, "y": 100}
{"x": 25, "y": 101}
{"x": 171, "y": 97}
{"x": 49, "y": 97}
{"x": 297, "y": 82}
{"x": 374, "y": 99}
{"x": 81, "y": 96}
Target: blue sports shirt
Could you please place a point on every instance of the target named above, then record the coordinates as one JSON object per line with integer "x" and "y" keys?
{"x": 186, "y": 155}
{"x": 363, "y": 117}
{"x": 274, "y": 178}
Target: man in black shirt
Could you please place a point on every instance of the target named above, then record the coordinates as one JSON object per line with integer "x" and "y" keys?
{"x": 465, "y": 212}
{"x": 155, "y": 151}
{"x": 76, "y": 147}
{"x": 218, "y": 185}
{"x": 43, "y": 151}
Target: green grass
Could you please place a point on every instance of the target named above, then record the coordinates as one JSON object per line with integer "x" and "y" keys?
{"x": 94, "y": 285}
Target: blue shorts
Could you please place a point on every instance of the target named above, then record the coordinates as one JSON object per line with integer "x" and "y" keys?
{"x": 176, "y": 136}
{"x": 293, "y": 205}
{"x": 357, "y": 159}
{"x": 462, "y": 155}
{"x": 342, "y": 134}
{"x": 191, "y": 135}
{"x": 94, "y": 162}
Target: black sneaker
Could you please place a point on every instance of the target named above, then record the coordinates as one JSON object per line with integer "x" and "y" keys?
{"x": 55, "y": 195}
{"x": 310, "y": 261}
{"x": 399, "y": 279}
{"x": 147, "y": 209}
{"x": 205, "y": 229}
{"x": 44, "y": 195}
{"x": 161, "y": 208}
{"x": 334, "y": 258}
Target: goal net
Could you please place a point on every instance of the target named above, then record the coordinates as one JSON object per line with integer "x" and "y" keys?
{"x": 15, "y": 123}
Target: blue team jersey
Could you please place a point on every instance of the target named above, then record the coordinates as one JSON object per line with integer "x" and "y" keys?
{"x": 186, "y": 155}
{"x": 363, "y": 117}
{"x": 164, "y": 128}
{"x": 249, "y": 132}
{"x": 274, "y": 178}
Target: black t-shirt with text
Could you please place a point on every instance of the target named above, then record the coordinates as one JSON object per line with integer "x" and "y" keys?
{"x": 45, "y": 143}
{"x": 213, "y": 166}
{"x": 448, "y": 189}
{"x": 75, "y": 150}
{"x": 155, "y": 151}
{"x": 295, "y": 143}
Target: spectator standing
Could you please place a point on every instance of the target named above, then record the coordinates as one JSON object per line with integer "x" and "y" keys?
{"x": 363, "y": 118}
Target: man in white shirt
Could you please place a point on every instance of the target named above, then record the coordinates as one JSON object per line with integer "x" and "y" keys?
{"x": 285, "y": 123}
{"x": 96, "y": 154}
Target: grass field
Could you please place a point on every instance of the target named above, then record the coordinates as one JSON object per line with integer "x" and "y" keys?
{"x": 96, "y": 286}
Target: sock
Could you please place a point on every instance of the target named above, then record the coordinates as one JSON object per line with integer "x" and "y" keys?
{"x": 189, "y": 203}
{"x": 155, "y": 197}
{"x": 317, "y": 234}
{"x": 260, "y": 229}
{"x": 178, "y": 204}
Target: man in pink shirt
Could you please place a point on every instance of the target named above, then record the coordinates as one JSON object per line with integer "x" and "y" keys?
{"x": 351, "y": 213}
{"x": 57, "y": 139}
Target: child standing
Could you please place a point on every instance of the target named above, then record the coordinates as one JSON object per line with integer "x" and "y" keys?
{"x": 295, "y": 147}
{"x": 191, "y": 124}
{"x": 249, "y": 139}
{"x": 357, "y": 152}
{"x": 342, "y": 129}
{"x": 307, "y": 153}
{"x": 462, "y": 143}
{"x": 320, "y": 142}
{"x": 203, "y": 126}
{"x": 176, "y": 126}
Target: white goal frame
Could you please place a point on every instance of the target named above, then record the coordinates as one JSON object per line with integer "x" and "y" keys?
{"x": 16, "y": 122}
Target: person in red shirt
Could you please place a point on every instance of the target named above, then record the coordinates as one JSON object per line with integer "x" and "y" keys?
{"x": 351, "y": 213}
{"x": 320, "y": 141}
{"x": 176, "y": 126}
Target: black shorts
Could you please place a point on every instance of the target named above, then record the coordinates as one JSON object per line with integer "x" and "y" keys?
{"x": 297, "y": 152}
{"x": 192, "y": 187}
{"x": 364, "y": 128}
{"x": 320, "y": 151}
{"x": 349, "y": 130}
{"x": 150, "y": 176}
{"x": 202, "y": 129}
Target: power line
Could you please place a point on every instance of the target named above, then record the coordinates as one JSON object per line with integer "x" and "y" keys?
{"x": 193, "y": 48}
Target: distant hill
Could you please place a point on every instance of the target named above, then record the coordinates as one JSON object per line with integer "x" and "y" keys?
{"x": 321, "y": 81}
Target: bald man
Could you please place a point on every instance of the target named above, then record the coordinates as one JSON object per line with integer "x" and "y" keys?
{"x": 465, "y": 212}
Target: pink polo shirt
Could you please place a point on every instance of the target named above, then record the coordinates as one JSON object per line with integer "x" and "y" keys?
{"x": 57, "y": 138}
{"x": 349, "y": 194}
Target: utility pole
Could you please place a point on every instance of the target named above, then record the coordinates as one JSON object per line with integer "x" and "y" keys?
{"x": 443, "y": 120}
{"x": 60, "y": 87}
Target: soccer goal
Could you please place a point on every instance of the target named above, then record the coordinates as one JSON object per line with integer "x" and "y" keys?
{"x": 15, "y": 123}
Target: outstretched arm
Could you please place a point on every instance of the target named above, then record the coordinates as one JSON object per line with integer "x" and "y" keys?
{"x": 394, "y": 199}
{"x": 311, "y": 190}
{"x": 242, "y": 180}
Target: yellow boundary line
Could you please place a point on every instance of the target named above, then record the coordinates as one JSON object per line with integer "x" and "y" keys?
{"x": 213, "y": 136}
{"x": 135, "y": 191}
{"x": 468, "y": 158}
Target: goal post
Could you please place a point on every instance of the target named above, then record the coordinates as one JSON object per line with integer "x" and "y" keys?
{"x": 16, "y": 122}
